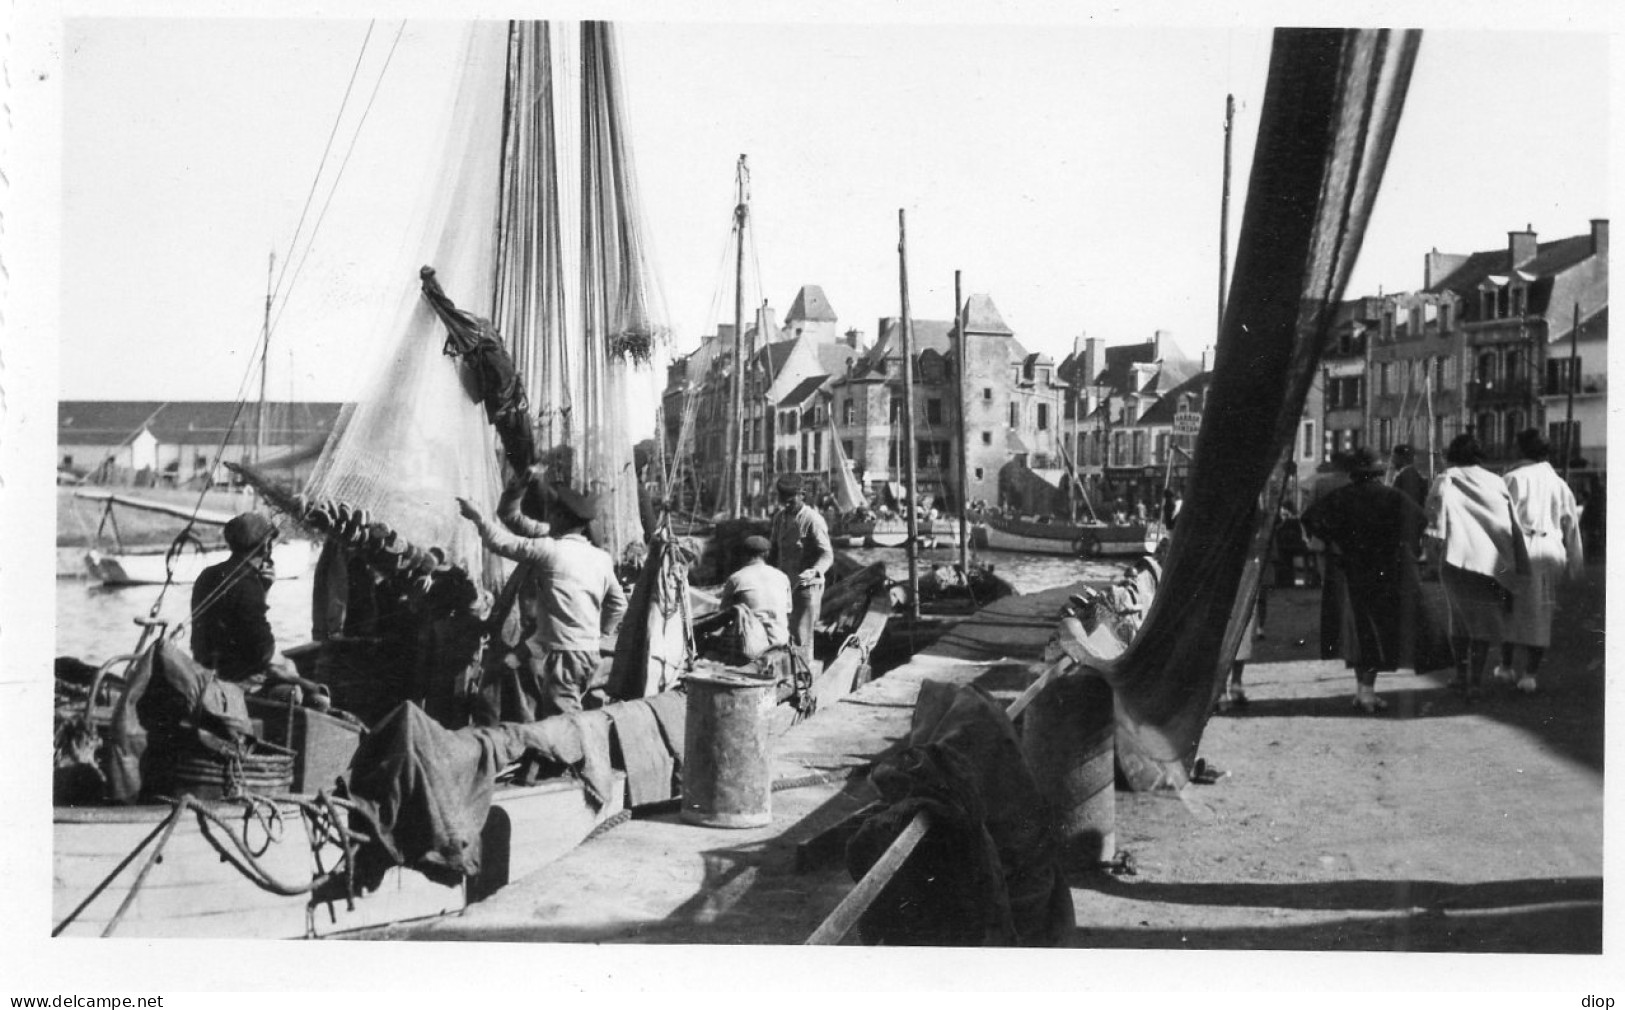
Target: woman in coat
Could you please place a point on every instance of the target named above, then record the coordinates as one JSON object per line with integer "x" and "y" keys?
{"x": 1549, "y": 520}
{"x": 1470, "y": 531}
{"x": 1370, "y": 529}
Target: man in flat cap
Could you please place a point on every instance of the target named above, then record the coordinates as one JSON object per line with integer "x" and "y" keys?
{"x": 579, "y": 601}
{"x": 760, "y": 600}
{"x": 799, "y": 547}
{"x": 231, "y": 634}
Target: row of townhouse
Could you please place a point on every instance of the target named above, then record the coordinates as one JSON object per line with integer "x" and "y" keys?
{"x": 814, "y": 396}
{"x": 1493, "y": 343}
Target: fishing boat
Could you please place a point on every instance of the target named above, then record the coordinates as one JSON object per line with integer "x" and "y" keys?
{"x": 180, "y": 563}
{"x": 1084, "y": 540}
{"x": 398, "y": 638}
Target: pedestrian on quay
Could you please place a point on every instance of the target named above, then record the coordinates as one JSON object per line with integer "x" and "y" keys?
{"x": 1370, "y": 528}
{"x": 1549, "y": 521}
{"x": 1471, "y": 532}
{"x": 801, "y": 550}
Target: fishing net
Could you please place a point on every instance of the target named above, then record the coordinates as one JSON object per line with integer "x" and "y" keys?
{"x": 415, "y": 439}
{"x": 1331, "y": 106}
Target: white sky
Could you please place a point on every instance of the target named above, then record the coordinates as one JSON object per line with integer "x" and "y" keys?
{"x": 1072, "y": 172}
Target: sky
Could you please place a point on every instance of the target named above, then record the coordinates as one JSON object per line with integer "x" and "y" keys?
{"x": 1071, "y": 171}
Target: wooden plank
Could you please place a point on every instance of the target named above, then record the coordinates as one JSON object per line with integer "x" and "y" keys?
{"x": 857, "y": 901}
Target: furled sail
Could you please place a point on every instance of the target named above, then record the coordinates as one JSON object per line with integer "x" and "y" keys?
{"x": 1331, "y": 107}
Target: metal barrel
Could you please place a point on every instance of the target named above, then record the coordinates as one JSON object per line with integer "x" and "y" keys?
{"x": 726, "y": 750}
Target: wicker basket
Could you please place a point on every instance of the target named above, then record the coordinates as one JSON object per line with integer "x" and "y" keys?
{"x": 211, "y": 776}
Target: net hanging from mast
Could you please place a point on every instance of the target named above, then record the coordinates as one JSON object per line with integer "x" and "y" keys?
{"x": 414, "y": 439}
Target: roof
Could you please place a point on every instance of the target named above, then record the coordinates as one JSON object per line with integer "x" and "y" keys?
{"x": 982, "y": 316}
{"x": 1550, "y": 258}
{"x": 112, "y": 422}
{"x": 810, "y": 306}
{"x": 804, "y": 391}
{"x": 1162, "y": 412}
{"x": 774, "y": 356}
{"x": 1119, "y": 362}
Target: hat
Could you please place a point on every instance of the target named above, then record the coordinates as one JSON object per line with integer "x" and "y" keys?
{"x": 1363, "y": 461}
{"x": 582, "y": 506}
{"x": 757, "y": 545}
{"x": 1404, "y": 451}
{"x": 789, "y": 484}
{"x": 248, "y": 531}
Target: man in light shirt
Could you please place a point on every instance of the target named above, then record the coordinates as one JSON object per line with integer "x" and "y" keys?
{"x": 762, "y": 592}
{"x": 800, "y": 548}
{"x": 580, "y": 603}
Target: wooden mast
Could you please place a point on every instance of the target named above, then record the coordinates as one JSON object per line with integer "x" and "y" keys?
{"x": 1569, "y": 448}
{"x": 736, "y": 424}
{"x": 909, "y": 506}
{"x": 1224, "y": 211}
{"x": 265, "y": 349}
{"x": 964, "y": 431}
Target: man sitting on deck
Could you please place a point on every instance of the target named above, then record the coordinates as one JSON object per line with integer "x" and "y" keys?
{"x": 754, "y": 608}
{"x": 801, "y": 550}
{"x": 580, "y": 602}
{"x": 230, "y": 632}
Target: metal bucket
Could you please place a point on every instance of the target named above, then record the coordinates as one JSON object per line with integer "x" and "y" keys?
{"x": 726, "y": 761}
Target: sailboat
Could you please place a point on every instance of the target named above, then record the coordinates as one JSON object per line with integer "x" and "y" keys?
{"x": 180, "y": 563}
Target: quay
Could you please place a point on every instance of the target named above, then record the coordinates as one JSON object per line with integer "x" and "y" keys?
{"x": 1437, "y": 826}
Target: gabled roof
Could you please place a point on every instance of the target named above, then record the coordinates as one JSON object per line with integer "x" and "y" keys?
{"x": 1550, "y": 258}
{"x": 810, "y": 306}
{"x": 773, "y": 357}
{"x": 1120, "y": 361}
{"x": 1162, "y": 412}
{"x": 111, "y": 422}
{"x": 804, "y": 391}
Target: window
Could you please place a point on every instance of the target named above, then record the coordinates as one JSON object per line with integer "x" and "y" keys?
{"x": 1486, "y": 305}
{"x": 1488, "y": 376}
{"x": 1560, "y": 376}
{"x": 1565, "y": 440}
{"x": 1387, "y": 327}
{"x": 1444, "y": 318}
{"x": 806, "y": 455}
{"x": 1308, "y": 441}
{"x": 1015, "y": 415}
{"x": 67, "y": 460}
{"x": 1043, "y": 417}
{"x": 896, "y": 409}
{"x": 847, "y": 448}
{"x": 790, "y": 460}
{"x": 1519, "y": 300}
{"x": 891, "y": 453}
{"x": 1043, "y": 375}
{"x": 933, "y": 411}
{"x": 987, "y": 438}
{"x": 1162, "y": 448}
{"x": 789, "y": 419}
{"x": 1385, "y": 433}
{"x": 818, "y": 451}
{"x": 1385, "y": 379}
{"x": 848, "y": 414}
{"x": 979, "y": 473}
{"x": 987, "y": 393}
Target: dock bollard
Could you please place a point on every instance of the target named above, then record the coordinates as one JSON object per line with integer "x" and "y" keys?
{"x": 727, "y": 773}
{"x": 1067, "y": 737}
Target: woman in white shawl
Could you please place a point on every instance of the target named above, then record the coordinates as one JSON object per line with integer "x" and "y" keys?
{"x": 1471, "y": 533}
{"x": 1550, "y": 522}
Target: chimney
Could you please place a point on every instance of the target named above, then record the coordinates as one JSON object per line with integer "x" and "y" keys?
{"x": 854, "y": 339}
{"x": 1160, "y": 342}
{"x": 1078, "y": 344}
{"x": 1521, "y": 246}
{"x": 1094, "y": 358}
{"x": 1207, "y": 359}
{"x": 1599, "y": 236}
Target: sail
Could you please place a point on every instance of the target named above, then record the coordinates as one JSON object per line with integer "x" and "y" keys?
{"x": 1331, "y": 107}
{"x": 848, "y": 492}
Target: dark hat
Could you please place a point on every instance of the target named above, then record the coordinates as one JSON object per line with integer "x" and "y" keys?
{"x": 1363, "y": 461}
{"x": 248, "y": 531}
{"x": 757, "y": 545}
{"x": 789, "y": 484}
{"x": 582, "y": 506}
{"x": 1404, "y": 451}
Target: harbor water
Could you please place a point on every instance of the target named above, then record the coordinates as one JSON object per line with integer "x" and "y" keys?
{"x": 95, "y": 623}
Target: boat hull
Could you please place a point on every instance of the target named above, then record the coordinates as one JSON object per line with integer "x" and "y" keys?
{"x": 192, "y": 892}
{"x": 292, "y": 559}
{"x": 1065, "y": 539}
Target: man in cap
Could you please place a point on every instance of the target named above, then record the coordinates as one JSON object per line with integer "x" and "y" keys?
{"x": 231, "y": 634}
{"x": 799, "y": 542}
{"x": 760, "y": 597}
{"x": 580, "y": 603}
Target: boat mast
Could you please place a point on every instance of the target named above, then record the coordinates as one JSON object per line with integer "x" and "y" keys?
{"x": 1224, "y": 210}
{"x": 964, "y": 432}
{"x": 908, "y": 426}
{"x": 736, "y": 423}
{"x": 265, "y": 350}
{"x": 1569, "y": 448}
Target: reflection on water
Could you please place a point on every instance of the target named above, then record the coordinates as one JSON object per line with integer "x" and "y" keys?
{"x": 96, "y": 623}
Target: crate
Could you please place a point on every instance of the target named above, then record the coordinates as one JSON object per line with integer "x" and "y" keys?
{"x": 322, "y": 744}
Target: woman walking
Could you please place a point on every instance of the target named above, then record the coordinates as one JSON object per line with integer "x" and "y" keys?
{"x": 1372, "y": 529}
{"x": 1471, "y": 533}
{"x": 1549, "y": 521}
